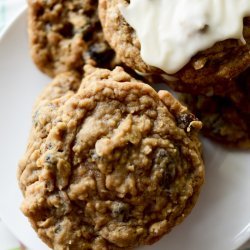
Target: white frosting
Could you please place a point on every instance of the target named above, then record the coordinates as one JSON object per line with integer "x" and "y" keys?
{"x": 172, "y": 31}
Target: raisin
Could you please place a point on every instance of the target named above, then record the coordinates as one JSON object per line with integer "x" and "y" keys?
{"x": 67, "y": 30}
{"x": 89, "y": 12}
{"x": 164, "y": 161}
{"x": 39, "y": 11}
{"x": 87, "y": 32}
{"x": 183, "y": 120}
{"x": 120, "y": 211}
{"x": 101, "y": 53}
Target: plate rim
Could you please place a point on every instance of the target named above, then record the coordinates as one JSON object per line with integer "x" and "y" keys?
{"x": 3, "y": 35}
{"x": 12, "y": 22}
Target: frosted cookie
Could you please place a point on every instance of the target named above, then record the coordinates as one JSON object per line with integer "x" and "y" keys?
{"x": 115, "y": 165}
{"x": 222, "y": 120}
{"x": 209, "y": 71}
{"x": 65, "y": 34}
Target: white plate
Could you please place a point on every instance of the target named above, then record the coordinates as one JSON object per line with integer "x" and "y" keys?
{"x": 221, "y": 218}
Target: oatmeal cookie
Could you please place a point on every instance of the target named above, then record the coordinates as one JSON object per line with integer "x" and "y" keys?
{"x": 65, "y": 34}
{"x": 113, "y": 166}
{"x": 208, "y": 71}
{"x": 222, "y": 120}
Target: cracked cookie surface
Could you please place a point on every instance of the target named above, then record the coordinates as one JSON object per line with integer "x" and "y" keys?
{"x": 113, "y": 165}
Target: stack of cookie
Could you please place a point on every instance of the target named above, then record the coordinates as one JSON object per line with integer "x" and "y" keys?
{"x": 111, "y": 163}
{"x": 217, "y": 80}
